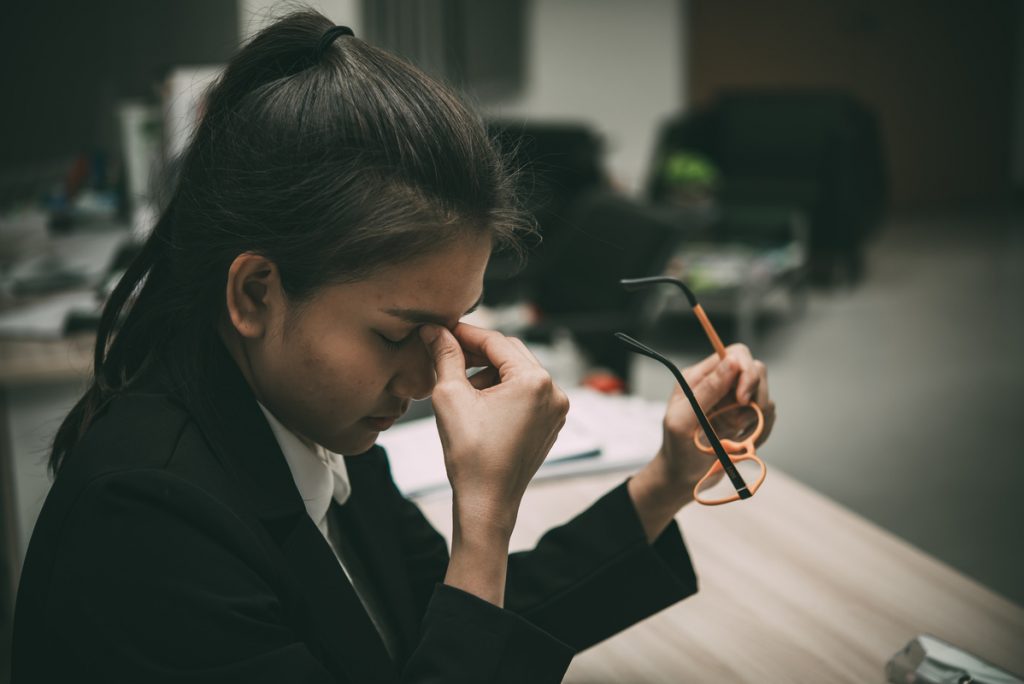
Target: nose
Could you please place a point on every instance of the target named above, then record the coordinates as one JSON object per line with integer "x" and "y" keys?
{"x": 415, "y": 378}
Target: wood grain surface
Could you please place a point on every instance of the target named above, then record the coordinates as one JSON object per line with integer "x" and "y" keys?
{"x": 28, "y": 362}
{"x": 793, "y": 588}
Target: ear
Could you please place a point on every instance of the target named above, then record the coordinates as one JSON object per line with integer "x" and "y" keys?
{"x": 254, "y": 294}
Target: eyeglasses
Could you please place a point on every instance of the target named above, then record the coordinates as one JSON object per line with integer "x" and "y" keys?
{"x": 738, "y": 425}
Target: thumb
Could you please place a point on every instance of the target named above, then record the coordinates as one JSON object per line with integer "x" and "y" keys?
{"x": 716, "y": 385}
{"x": 449, "y": 362}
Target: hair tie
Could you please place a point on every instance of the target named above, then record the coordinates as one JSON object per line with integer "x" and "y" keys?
{"x": 329, "y": 36}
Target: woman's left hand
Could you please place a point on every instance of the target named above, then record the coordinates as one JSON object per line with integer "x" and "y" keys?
{"x": 666, "y": 484}
{"x": 738, "y": 378}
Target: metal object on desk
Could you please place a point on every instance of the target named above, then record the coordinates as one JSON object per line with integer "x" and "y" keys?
{"x": 928, "y": 660}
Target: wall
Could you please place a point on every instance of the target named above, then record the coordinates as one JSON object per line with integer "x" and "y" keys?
{"x": 254, "y": 14}
{"x": 619, "y": 66}
{"x": 64, "y": 65}
{"x": 938, "y": 73}
{"x": 1017, "y": 171}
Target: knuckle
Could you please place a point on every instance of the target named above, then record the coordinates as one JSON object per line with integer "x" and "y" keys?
{"x": 675, "y": 426}
{"x": 539, "y": 381}
{"x": 739, "y": 349}
{"x": 445, "y": 388}
{"x": 486, "y": 345}
{"x": 561, "y": 403}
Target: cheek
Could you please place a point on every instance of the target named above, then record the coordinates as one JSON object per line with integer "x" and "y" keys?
{"x": 343, "y": 378}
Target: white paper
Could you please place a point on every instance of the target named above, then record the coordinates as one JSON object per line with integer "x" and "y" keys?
{"x": 602, "y": 432}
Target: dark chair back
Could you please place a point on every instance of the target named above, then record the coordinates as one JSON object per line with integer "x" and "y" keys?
{"x": 607, "y": 237}
{"x": 816, "y": 151}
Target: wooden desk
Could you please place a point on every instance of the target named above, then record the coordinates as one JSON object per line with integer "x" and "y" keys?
{"x": 793, "y": 588}
{"x": 25, "y": 362}
{"x": 39, "y": 381}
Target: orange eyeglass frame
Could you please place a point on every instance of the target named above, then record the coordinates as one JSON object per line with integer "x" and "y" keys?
{"x": 728, "y": 451}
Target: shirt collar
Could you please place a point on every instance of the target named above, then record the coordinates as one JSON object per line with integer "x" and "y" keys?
{"x": 319, "y": 474}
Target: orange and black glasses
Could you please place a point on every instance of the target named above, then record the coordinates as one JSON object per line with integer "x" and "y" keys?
{"x": 730, "y": 433}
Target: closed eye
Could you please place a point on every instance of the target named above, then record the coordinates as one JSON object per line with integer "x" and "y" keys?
{"x": 396, "y": 344}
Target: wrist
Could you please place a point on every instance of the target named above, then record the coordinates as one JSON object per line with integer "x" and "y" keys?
{"x": 666, "y": 482}
{"x": 479, "y": 557}
{"x": 473, "y": 519}
{"x": 658, "y": 493}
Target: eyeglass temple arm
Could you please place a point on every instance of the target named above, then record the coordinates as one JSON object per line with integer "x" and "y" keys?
{"x": 634, "y": 284}
{"x": 723, "y": 457}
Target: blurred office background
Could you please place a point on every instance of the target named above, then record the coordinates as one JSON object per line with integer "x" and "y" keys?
{"x": 841, "y": 183}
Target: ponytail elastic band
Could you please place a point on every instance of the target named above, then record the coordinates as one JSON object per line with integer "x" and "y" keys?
{"x": 329, "y": 36}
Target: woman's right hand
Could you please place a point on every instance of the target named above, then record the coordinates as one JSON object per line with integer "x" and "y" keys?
{"x": 497, "y": 427}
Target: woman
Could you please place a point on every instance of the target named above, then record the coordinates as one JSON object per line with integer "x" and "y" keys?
{"x": 331, "y": 224}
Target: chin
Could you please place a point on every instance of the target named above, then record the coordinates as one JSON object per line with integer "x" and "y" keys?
{"x": 355, "y": 446}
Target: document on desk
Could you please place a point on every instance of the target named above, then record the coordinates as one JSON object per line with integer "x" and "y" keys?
{"x": 602, "y": 432}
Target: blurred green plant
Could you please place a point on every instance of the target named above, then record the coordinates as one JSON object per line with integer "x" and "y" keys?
{"x": 689, "y": 168}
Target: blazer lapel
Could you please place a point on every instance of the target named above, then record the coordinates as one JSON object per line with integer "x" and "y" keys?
{"x": 328, "y": 613}
{"x": 344, "y": 636}
{"x": 371, "y": 526}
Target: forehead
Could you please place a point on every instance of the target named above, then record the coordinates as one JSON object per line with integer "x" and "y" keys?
{"x": 446, "y": 282}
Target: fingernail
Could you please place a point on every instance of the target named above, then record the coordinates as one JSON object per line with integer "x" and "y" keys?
{"x": 429, "y": 333}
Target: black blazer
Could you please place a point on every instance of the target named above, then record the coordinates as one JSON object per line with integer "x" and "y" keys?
{"x": 174, "y": 547}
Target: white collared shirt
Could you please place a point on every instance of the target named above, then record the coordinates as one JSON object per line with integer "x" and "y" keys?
{"x": 319, "y": 475}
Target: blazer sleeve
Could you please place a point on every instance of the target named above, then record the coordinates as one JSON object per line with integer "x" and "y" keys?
{"x": 584, "y": 581}
{"x": 462, "y": 637}
{"x": 597, "y": 574}
{"x": 155, "y": 580}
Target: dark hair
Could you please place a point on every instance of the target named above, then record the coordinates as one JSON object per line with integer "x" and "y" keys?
{"x": 331, "y": 165}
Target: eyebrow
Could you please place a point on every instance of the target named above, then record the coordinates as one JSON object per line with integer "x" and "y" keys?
{"x": 423, "y": 316}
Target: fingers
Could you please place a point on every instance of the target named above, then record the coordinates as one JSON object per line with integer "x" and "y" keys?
{"x": 449, "y": 362}
{"x": 753, "y": 386}
{"x": 716, "y": 385}
{"x": 695, "y": 373}
{"x": 752, "y": 375}
{"x": 750, "y": 382}
{"x": 712, "y": 388}
{"x": 468, "y": 346}
{"x": 490, "y": 348}
{"x": 523, "y": 348}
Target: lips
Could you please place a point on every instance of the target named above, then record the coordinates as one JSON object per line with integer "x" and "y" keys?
{"x": 382, "y": 422}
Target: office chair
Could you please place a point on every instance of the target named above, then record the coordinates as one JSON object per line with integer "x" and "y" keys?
{"x": 606, "y": 237}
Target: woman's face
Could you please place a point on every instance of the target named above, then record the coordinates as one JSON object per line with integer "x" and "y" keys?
{"x": 338, "y": 368}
